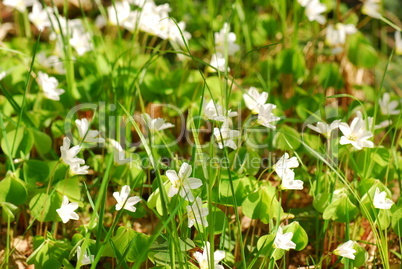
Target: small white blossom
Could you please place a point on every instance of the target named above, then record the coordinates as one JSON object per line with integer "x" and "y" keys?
{"x": 197, "y": 213}
{"x": 381, "y": 201}
{"x": 120, "y": 14}
{"x": 76, "y": 169}
{"x": 49, "y": 86}
{"x": 372, "y": 8}
{"x": 325, "y": 129}
{"x": 398, "y": 43}
{"x": 52, "y": 61}
{"x": 3, "y": 75}
{"x": 86, "y": 259}
{"x": 356, "y": 134}
{"x": 81, "y": 42}
{"x": 226, "y": 40}
{"x": 68, "y": 155}
{"x": 289, "y": 182}
{"x": 215, "y": 112}
{"x": 265, "y": 116}
{"x": 284, "y": 164}
{"x": 225, "y": 136}
{"x": 66, "y": 211}
{"x": 254, "y": 100}
{"x": 157, "y": 124}
{"x": 123, "y": 201}
{"x": 346, "y": 250}
{"x": 284, "y": 241}
{"x": 336, "y": 35}
{"x": 182, "y": 183}
{"x": 20, "y": 5}
{"x": 87, "y": 135}
{"x": 204, "y": 257}
{"x": 118, "y": 153}
{"x": 39, "y": 16}
{"x": 313, "y": 10}
{"x": 387, "y": 106}
{"x": 218, "y": 63}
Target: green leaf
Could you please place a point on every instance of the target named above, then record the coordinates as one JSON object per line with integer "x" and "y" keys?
{"x": 291, "y": 62}
{"x": 360, "y": 51}
{"x": 262, "y": 204}
{"x": 43, "y": 206}
{"x": 246, "y": 161}
{"x": 35, "y": 171}
{"x": 321, "y": 201}
{"x": 300, "y": 237}
{"x": 217, "y": 220}
{"x": 13, "y": 190}
{"x": 287, "y": 138}
{"x": 341, "y": 210}
{"x": 383, "y": 219}
{"x": 42, "y": 142}
{"x": 22, "y": 139}
{"x": 70, "y": 187}
{"x": 127, "y": 239}
{"x": 329, "y": 75}
{"x": 396, "y": 222}
{"x": 9, "y": 211}
{"x": 48, "y": 253}
{"x": 242, "y": 187}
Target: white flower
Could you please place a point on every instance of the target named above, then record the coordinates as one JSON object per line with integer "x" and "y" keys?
{"x": 254, "y": 100}
{"x": 387, "y": 106}
{"x": 215, "y": 112}
{"x": 51, "y": 62}
{"x": 118, "y": 153}
{"x": 182, "y": 183}
{"x": 398, "y": 43}
{"x": 225, "y": 40}
{"x": 204, "y": 257}
{"x": 174, "y": 33}
{"x": 218, "y": 63}
{"x": 356, "y": 134}
{"x": 284, "y": 164}
{"x": 3, "y": 75}
{"x": 76, "y": 169}
{"x": 224, "y": 136}
{"x": 69, "y": 155}
{"x": 284, "y": 241}
{"x": 265, "y": 116}
{"x": 381, "y": 201}
{"x": 372, "y": 8}
{"x": 39, "y": 16}
{"x": 81, "y": 42}
{"x": 120, "y": 14}
{"x": 49, "y": 86}
{"x": 346, "y": 250}
{"x": 289, "y": 182}
{"x": 20, "y": 5}
{"x": 197, "y": 213}
{"x": 313, "y": 10}
{"x": 383, "y": 124}
{"x": 303, "y": 3}
{"x": 323, "y": 128}
{"x": 157, "y": 124}
{"x": 86, "y": 259}
{"x": 123, "y": 201}
{"x": 337, "y": 35}
{"x": 87, "y": 135}
{"x": 66, "y": 211}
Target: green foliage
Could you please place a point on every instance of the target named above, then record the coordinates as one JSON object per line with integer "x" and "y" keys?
{"x": 262, "y": 204}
